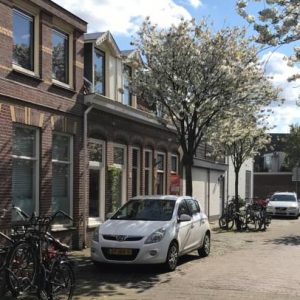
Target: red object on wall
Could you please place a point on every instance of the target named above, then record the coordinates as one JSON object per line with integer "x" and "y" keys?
{"x": 175, "y": 184}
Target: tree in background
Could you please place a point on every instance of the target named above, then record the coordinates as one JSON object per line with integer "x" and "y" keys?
{"x": 196, "y": 76}
{"x": 240, "y": 139}
{"x": 277, "y": 24}
{"x": 292, "y": 148}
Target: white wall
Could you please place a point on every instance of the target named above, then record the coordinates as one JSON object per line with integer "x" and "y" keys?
{"x": 247, "y": 166}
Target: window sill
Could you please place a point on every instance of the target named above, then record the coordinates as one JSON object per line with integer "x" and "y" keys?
{"x": 20, "y": 70}
{"x": 92, "y": 222}
{"x": 62, "y": 85}
{"x": 61, "y": 227}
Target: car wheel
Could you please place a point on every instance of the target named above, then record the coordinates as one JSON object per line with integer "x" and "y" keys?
{"x": 204, "y": 250}
{"x": 172, "y": 257}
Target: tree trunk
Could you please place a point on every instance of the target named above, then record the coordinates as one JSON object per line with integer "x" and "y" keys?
{"x": 188, "y": 164}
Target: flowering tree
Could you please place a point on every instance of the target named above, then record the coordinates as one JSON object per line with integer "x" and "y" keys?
{"x": 196, "y": 76}
{"x": 240, "y": 138}
{"x": 278, "y": 23}
{"x": 292, "y": 148}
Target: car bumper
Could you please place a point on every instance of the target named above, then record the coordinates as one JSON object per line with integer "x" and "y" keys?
{"x": 140, "y": 253}
{"x": 284, "y": 213}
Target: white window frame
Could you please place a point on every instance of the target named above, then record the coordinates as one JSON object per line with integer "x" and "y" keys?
{"x": 149, "y": 169}
{"x": 123, "y": 84}
{"x": 23, "y": 7}
{"x": 138, "y": 181}
{"x": 162, "y": 171}
{"x": 36, "y": 159}
{"x": 56, "y": 227}
{"x": 95, "y": 221}
{"x": 174, "y": 156}
{"x": 64, "y": 28}
{"x": 95, "y": 49}
{"x": 124, "y": 171}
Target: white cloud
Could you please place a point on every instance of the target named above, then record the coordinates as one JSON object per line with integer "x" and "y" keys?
{"x": 124, "y": 17}
{"x": 195, "y": 3}
{"x": 289, "y": 112}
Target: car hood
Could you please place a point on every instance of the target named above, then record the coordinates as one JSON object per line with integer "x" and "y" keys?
{"x": 136, "y": 228}
{"x": 282, "y": 204}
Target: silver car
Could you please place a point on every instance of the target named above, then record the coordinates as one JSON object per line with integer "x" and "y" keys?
{"x": 284, "y": 204}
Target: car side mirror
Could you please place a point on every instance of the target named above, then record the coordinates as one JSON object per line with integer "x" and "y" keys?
{"x": 184, "y": 218}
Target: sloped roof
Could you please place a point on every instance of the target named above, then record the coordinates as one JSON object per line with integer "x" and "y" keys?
{"x": 101, "y": 37}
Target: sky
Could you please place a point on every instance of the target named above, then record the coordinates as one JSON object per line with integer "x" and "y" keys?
{"x": 123, "y": 18}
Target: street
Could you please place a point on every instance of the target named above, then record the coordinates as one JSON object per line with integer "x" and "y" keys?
{"x": 242, "y": 265}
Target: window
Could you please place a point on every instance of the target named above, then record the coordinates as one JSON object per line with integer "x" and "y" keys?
{"x": 148, "y": 172}
{"x": 161, "y": 172}
{"x": 99, "y": 72}
{"x": 25, "y": 168}
{"x": 174, "y": 164}
{"x": 96, "y": 180}
{"x": 118, "y": 177}
{"x": 23, "y": 40}
{"x": 60, "y": 56}
{"x": 126, "y": 78}
{"x": 135, "y": 172}
{"x": 248, "y": 185}
{"x": 183, "y": 209}
{"x": 62, "y": 168}
{"x": 193, "y": 206}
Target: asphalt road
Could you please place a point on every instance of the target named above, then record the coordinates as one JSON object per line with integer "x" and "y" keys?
{"x": 242, "y": 265}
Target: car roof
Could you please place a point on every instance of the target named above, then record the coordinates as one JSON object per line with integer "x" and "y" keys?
{"x": 285, "y": 193}
{"x": 161, "y": 197}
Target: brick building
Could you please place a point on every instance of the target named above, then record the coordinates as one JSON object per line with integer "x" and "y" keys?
{"x": 41, "y": 109}
{"x": 130, "y": 152}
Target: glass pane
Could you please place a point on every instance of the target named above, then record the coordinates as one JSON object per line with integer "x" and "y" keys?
{"x": 174, "y": 164}
{"x": 160, "y": 183}
{"x": 115, "y": 185}
{"x": 160, "y": 162}
{"x": 147, "y": 182}
{"x": 60, "y": 187}
{"x": 99, "y": 72}
{"x": 23, "y": 187}
{"x": 60, "y": 56}
{"x": 24, "y": 141}
{"x": 95, "y": 151}
{"x": 135, "y": 157}
{"x": 61, "y": 147}
{"x": 94, "y": 193}
{"x": 147, "y": 159}
{"x": 127, "y": 94}
{"x": 118, "y": 155}
{"x": 134, "y": 182}
{"x": 22, "y": 40}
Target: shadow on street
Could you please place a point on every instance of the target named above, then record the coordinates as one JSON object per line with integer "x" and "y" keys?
{"x": 292, "y": 240}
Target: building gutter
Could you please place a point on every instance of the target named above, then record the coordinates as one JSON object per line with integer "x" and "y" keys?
{"x": 85, "y": 196}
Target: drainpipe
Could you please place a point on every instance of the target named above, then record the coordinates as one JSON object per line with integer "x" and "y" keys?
{"x": 85, "y": 196}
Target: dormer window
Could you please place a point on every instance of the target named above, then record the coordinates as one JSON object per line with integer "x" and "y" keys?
{"x": 126, "y": 78}
{"x": 99, "y": 72}
{"x": 23, "y": 40}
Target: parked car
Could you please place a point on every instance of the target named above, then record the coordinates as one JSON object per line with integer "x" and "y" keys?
{"x": 283, "y": 204}
{"x": 152, "y": 230}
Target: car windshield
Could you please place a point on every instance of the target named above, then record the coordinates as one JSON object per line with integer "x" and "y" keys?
{"x": 287, "y": 198}
{"x": 146, "y": 209}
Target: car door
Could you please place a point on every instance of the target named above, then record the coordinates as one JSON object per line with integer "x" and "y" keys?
{"x": 184, "y": 229}
{"x": 196, "y": 222}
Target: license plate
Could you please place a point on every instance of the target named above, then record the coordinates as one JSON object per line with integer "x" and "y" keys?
{"x": 120, "y": 251}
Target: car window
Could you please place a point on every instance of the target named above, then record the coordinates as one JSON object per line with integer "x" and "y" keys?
{"x": 283, "y": 197}
{"x": 197, "y": 206}
{"x": 192, "y": 206}
{"x": 183, "y": 209}
{"x": 146, "y": 209}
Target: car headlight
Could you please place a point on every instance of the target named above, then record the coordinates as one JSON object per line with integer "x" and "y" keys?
{"x": 156, "y": 236}
{"x": 96, "y": 235}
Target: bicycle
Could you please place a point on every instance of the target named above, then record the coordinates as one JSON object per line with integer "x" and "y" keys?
{"x": 52, "y": 276}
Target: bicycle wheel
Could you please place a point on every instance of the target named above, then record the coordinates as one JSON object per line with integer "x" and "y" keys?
{"x": 62, "y": 281}
{"x": 21, "y": 268}
{"x": 222, "y": 222}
